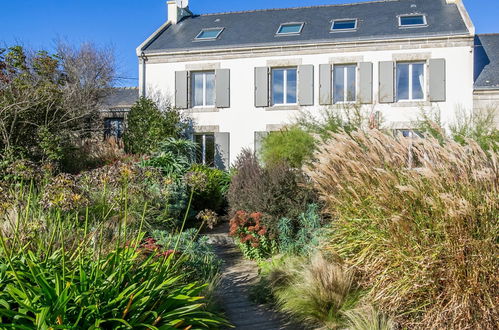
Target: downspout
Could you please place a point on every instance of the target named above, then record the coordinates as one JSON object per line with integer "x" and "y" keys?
{"x": 143, "y": 86}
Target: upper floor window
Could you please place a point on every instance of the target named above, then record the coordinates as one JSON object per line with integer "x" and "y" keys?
{"x": 344, "y": 83}
{"x": 209, "y": 34}
{"x": 206, "y": 149}
{"x": 284, "y": 86}
{"x": 410, "y": 81}
{"x": 344, "y": 25}
{"x": 290, "y": 28}
{"x": 412, "y": 20}
{"x": 203, "y": 89}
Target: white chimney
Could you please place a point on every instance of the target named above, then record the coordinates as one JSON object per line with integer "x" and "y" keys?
{"x": 177, "y": 10}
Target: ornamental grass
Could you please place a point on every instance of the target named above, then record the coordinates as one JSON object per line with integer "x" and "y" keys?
{"x": 418, "y": 219}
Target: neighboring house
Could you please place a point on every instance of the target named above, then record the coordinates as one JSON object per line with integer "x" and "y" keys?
{"x": 243, "y": 74}
{"x": 487, "y": 74}
{"x": 114, "y": 110}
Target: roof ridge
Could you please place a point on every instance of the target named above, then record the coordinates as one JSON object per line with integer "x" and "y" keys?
{"x": 294, "y": 8}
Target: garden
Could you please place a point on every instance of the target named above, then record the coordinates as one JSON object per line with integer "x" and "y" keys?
{"x": 351, "y": 226}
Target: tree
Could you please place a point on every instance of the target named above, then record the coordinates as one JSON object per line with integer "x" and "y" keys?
{"x": 149, "y": 123}
{"x": 47, "y": 101}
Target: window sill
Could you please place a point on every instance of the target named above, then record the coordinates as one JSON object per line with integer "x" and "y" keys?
{"x": 283, "y": 107}
{"x": 408, "y": 104}
{"x": 203, "y": 109}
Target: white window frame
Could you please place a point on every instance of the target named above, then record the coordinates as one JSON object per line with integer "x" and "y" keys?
{"x": 345, "y": 82}
{"x": 412, "y": 25}
{"x": 198, "y": 36}
{"x": 278, "y": 33}
{"x": 284, "y": 86}
{"x": 410, "y": 96}
{"x": 193, "y": 89}
{"x": 333, "y": 30}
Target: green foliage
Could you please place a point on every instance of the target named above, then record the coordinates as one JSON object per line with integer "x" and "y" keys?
{"x": 173, "y": 158}
{"x": 303, "y": 236}
{"x": 292, "y": 145}
{"x": 60, "y": 291}
{"x": 213, "y": 195}
{"x": 148, "y": 124}
{"x": 479, "y": 126}
{"x": 199, "y": 252}
{"x": 252, "y": 236}
{"x": 368, "y": 318}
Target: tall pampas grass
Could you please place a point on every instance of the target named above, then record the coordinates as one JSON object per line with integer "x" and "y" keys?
{"x": 419, "y": 219}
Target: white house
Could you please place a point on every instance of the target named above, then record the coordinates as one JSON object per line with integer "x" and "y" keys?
{"x": 242, "y": 74}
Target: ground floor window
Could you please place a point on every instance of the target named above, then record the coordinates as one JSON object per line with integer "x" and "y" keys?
{"x": 206, "y": 149}
{"x": 114, "y": 128}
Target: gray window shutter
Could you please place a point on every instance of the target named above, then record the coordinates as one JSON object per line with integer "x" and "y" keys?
{"x": 181, "y": 89}
{"x": 437, "y": 80}
{"x": 259, "y": 136}
{"x": 261, "y": 87}
{"x": 366, "y": 82}
{"x": 306, "y": 84}
{"x": 222, "y": 85}
{"x": 386, "y": 82}
{"x": 222, "y": 151}
{"x": 325, "y": 81}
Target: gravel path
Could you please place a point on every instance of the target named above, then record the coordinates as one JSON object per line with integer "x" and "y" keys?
{"x": 238, "y": 275}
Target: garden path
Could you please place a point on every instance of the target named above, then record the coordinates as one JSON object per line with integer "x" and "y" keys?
{"x": 238, "y": 274}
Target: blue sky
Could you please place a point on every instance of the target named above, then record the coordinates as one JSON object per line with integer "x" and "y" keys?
{"x": 124, "y": 24}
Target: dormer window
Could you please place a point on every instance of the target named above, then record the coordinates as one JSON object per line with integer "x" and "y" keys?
{"x": 412, "y": 21}
{"x": 290, "y": 29}
{"x": 209, "y": 34}
{"x": 344, "y": 25}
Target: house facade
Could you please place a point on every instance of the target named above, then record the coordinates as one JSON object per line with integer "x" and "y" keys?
{"x": 241, "y": 75}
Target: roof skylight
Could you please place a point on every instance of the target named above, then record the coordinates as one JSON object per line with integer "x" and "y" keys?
{"x": 340, "y": 25}
{"x": 209, "y": 34}
{"x": 290, "y": 28}
{"x": 412, "y": 20}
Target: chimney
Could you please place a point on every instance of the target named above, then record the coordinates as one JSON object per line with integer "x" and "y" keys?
{"x": 175, "y": 13}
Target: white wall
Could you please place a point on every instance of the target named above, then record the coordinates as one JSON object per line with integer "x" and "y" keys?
{"x": 242, "y": 119}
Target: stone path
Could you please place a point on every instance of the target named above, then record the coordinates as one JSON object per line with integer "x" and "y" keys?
{"x": 238, "y": 275}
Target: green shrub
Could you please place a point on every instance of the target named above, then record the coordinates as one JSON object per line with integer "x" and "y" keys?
{"x": 213, "y": 196}
{"x": 300, "y": 237}
{"x": 148, "y": 124}
{"x": 424, "y": 238}
{"x": 291, "y": 145}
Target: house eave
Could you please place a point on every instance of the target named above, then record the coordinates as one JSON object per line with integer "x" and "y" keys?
{"x": 151, "y": 38}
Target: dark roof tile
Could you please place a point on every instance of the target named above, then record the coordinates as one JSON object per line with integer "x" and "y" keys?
{"x": 487, "y": 61}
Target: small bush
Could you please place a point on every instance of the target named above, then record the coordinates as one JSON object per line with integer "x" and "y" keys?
{"x": 367, "y": 318}
{"x": 425, "y": 238}
{"x": 213, "y": 196}
{"x": 276, "y": 191}
{"x": 251, "y": 235}
{"x": 291, "y": 145}
{"x": 300, "y": 237}
{"x": 317, "y": 291}
{"x": 149, "y": 123}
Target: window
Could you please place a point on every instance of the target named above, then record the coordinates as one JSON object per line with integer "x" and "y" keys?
{"x": 284, "y": 86}
{"x": 340, "y": 25}
{"x": 203, "y": 89}
{"x": 209, "y": 34}
{"x": 113, "y": 128}
{"x": 344, "y": 83}
{"x": 410, "y": 81}
{"x": 290, "y": 28}
{"x": 412, "y": 20}
{"x": 409, "y": 133}
{"x": 206, "y": 149}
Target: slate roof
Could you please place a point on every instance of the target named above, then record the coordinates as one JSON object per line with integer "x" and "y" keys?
{"x": 376, "y": 20}
{"x": 487, "y": 61}
{"x": 121, "y": 98}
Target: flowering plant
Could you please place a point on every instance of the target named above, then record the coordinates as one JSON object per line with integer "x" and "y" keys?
{"x": 252, "y": 235}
